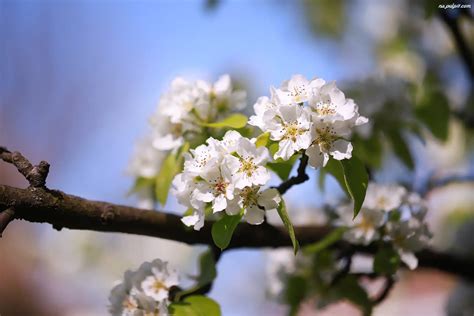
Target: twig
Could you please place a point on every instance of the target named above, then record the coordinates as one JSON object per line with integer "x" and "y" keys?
{"x": 389, "y": 283}
{"x": 464, "y": 51}
{"x": 300, "y": 177}
{"x": 36, "y": 175}
{"x": 5, "y": 218}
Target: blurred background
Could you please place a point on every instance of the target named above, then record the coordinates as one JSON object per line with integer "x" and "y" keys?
{"x": 79, "y": 79}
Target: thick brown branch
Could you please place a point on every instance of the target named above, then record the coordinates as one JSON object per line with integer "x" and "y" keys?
{"x": 62, "y": 210}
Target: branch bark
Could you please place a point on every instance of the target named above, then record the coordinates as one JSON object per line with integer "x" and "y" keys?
{"x": 61, "y": 210}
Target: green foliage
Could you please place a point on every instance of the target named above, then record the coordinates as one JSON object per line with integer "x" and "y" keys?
{"x": 289, "y": 226}
{"x": 352, "y": 177}
{"x": 223, "y": 229}
{"x": 262, "y": 139}
{"x": 141, "y": 183}
{"x": 196, "y": 305}
{"x": 348, "y": 288}
{"x": 233, "y": 121}
{"x": 331, "y": 238}
{"x": 171, "y": 166}
{"x": 295, "y": 292}
{"x": 433, "y": 111}
{"x": 386, "y": 261}
{"x": 207, "y": 266}
{"x": 400, "y": 148}
{"x": 283, "y": 168}
{"x": 369, "y": 150}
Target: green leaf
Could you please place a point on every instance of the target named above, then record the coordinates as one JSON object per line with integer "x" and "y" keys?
{"x": 350, "y": 289}
{"x": 140, "y": 183}
{"x": 400, "y": 148}
{"x": 356, "y": 180}
{"x": 233, "y": 121}
{"x": 223, "y": 229}
{"x": 203, "y": 306}
{"x": 433, "y": 111}
{"x": 263, "y": 139}
{"x": 196, "y": 305}
{"x": 331, "y": 238}
{"x": 273, "y": 148}
{"x": 386, "y": 261}
{"x": 207, "y": 266}
{"x": 295, "y": 292}
{"x": 289, "y": 226}
{"x": 170, "y": 167}
{"x": 334, "y": 168}
{"x": 283, "y": 168}
{"x": 181, "y": 309}
{"x": 368, "y": 150}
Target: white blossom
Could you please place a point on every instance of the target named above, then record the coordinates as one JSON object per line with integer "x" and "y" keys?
{"x": 327, "y": 140}
{"x": 309, "y": 115}
{"x": 364, "y": 228}
{"x": 145, "y": 291}
{"x": 225, "y": 175}
{"x": 384, "y": 197}
{"x": 292, "y": 130}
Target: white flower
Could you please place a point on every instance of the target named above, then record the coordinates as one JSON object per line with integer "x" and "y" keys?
{"x": 223, "y": 94}
{"x": 255, "y": 203}
{"x": 265, "y": 110}
{"x": 145, "y": 291}
{"x": 364, "y": 228}
{"x": 159, "y": 281}
{"x": 292, "y": 130}
{"x": 327, "y": 140}
{"x": 201, "y": 160}
{"x": 248, "y": 166}
{"x": 297, "y": 90}
{"x": 329, "y": 104}
{"x": 216, "y": 186}
{"x": 146, "y": 160}
{"x": 384, "y": 197}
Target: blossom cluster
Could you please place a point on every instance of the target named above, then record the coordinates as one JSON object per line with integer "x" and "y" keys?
{"x": 180, "y": 116}
{"x": 145, "y": 291}
{"x": 225, "y": 175}
{"x": 391, "y": 214}
{"x": 311, "y": 115}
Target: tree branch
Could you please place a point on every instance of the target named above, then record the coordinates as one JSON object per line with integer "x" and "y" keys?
{"x": 36, "y": 175}
{"x": 40, "y": 205}
{"x": 466, "y": 55}
{"x": 300, "y": 177}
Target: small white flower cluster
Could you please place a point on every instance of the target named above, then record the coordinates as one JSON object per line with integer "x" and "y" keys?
{"x": 144, "y": 292}
{"x": 392, "y": 214}
{"x": 179, "y": 116}
{"x": 226, "y": 175}
{"x": 314, "y": 116}
{"x": 187, "y": 104}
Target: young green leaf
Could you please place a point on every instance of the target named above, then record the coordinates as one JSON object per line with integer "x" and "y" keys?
{"x": 207, "y": 266}
{"x": 283, "y": 168}
{"x": 289, "y": 226}
{"x": 203, "y": 306}
{"x": 401, "y": 149}
{"x": 433, "y": 111}
{"x": 356, "y": 180}
{"x": 232, "y": 121}
{"x": 331, "y": 238}
{"x": 141, "y": 183}
{"x": 170, "y": 167}
{"x": 223, "y": 229}
{"x": 263, "y": 139}
{"x": 295, "y": 292}
{"x": 386, "y": 261}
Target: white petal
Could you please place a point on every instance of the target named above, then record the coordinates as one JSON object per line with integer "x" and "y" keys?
{"x": 219, "y": 204}
{"x": 254, "y": 215}
{"x": 285, "y": 150}
{"x": 409, "y": 259}
{"x": 341, "y": 149}
{"x": 316, "y": 158}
